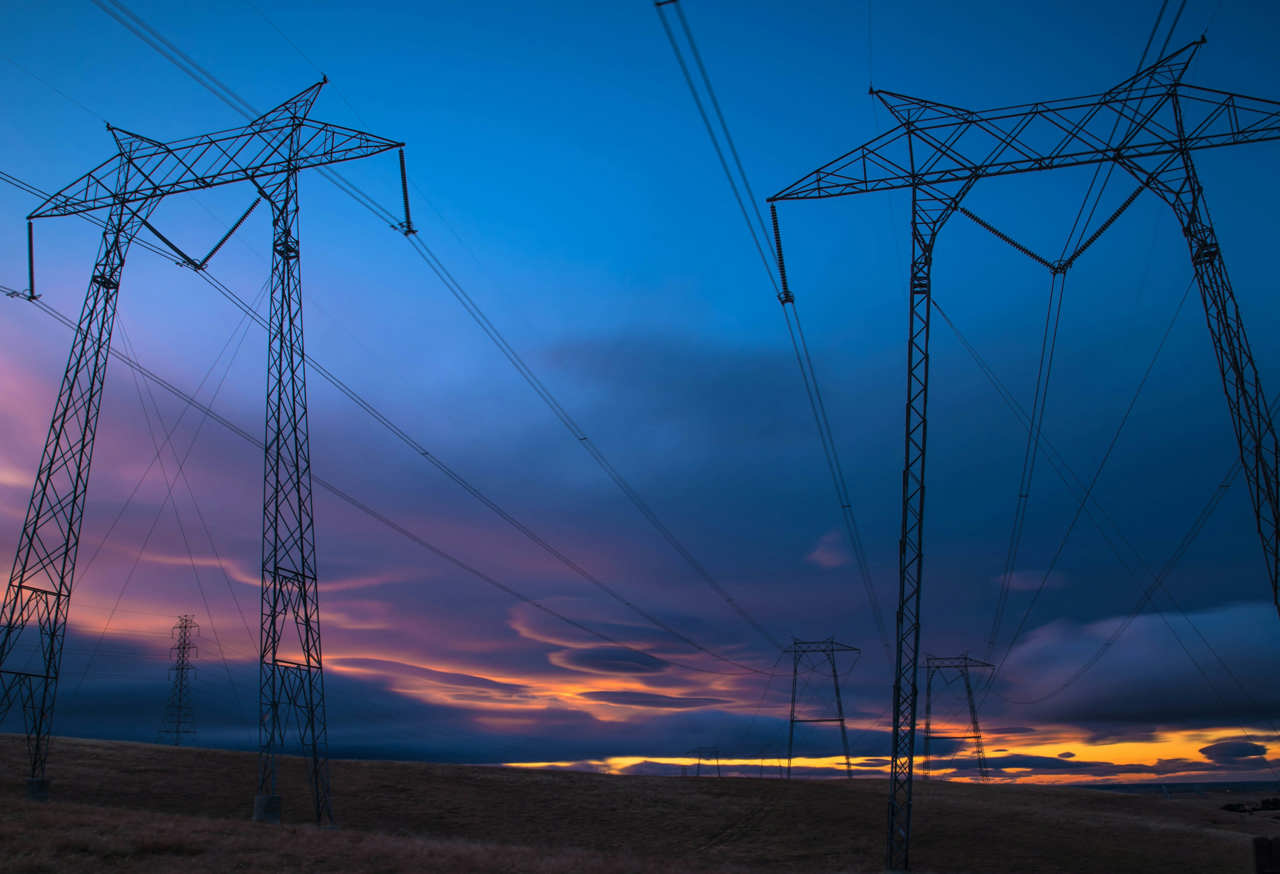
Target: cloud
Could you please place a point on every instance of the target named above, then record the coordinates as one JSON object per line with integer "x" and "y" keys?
{"x": 1066, "y": 755}
{"x": 391, "y": 668}
{"x": 1230, "y": 752}
{"x": 830, "y": 551}
{"x": 607, "y": 660}
{"x": 1144, "y": 683}
{"x": 650, "y": 699}
{"x": 1030, "y": 580}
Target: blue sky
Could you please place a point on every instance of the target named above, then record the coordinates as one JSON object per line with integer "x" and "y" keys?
{"x": 561, "y": 172}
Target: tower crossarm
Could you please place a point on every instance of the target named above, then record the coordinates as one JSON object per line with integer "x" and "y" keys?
{"x": 280, "y": 141}
{"x": 934, "y": 144}
{"x": 957, "y": 662}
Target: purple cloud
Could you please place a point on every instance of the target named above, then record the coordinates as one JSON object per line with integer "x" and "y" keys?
{"x": 651, "y": 699}
{"x": 1230, "y": 752}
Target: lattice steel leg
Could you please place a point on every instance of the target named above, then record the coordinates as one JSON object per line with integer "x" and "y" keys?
{"x": 928, "y": 722}
{"x": 291, "y": 682}
{"x": 1250, "y": 417}
{"x": 844, "y": 732}
{"x": 1176, "y": 182}
{"x": 791, "y": 728}
{"x": 40, "y": 582}
{"x": 927, "y": 216}
{"x": 973, "y": 722}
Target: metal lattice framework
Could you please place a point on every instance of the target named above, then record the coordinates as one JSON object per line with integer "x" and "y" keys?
{"x": 827, "y": 649}
{"x": 1147, "y": 126}
{"x": 179, "y": 721}
{"x": 960, "y": 665}
{"x": 267, "y": 153}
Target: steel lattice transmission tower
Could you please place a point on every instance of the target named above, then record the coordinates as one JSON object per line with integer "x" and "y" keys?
{"x": 267, "y": 153}
{"x": 960, "y": 665}
{"x": 178, "y": 717}
{"x": 827, "y": 649}
{"x": 710, "y": 755}
{"x": 1147, "y": 126}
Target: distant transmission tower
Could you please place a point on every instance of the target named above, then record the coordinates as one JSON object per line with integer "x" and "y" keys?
{"x": 177, "y": 713}
{"x": 710, "y": 755}
{"x": 828, "y": 649}
{"x": 961, "y": 666}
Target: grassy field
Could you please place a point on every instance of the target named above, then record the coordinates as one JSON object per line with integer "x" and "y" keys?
{"x": 139, "y": 807}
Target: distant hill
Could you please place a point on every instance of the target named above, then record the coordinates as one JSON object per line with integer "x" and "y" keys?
{"x": 138, "y": 807}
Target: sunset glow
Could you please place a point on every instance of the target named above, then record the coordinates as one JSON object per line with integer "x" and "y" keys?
{"x": 606, "y": 572}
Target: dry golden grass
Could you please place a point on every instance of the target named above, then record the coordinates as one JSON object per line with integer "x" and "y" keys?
{"x": 138, "y": 807}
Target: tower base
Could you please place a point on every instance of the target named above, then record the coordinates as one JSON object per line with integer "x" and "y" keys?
{"x": 266, "y": 808}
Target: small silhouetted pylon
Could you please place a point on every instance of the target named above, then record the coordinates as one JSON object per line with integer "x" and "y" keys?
{"x": 710, "y": 755}
{"x": 178, "y": 720}
{"x": 961, "y": 665}
{"x": 828, "y": 649}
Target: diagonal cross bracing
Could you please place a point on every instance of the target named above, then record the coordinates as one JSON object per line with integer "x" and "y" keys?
{"x": 280, "y": 141}
{"x": 1053, "y": 134}
{"x": 1148, "y": 125}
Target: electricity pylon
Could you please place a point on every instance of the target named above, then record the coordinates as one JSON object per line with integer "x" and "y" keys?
{"x": 961, "y": 666}
{"x": 1147, "y": 126}
{"x": 827, "y": 648}
{"x": 710, "y": 755}
{"x": 267, "y": 153}
{"x": 178, "y": 721}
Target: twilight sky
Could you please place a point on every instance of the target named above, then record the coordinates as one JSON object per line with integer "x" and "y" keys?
{"x": 562, "y": 174}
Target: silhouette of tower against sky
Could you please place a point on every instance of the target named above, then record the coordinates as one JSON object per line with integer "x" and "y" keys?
{"x": 179, "y": 719}
{"x": 949, "y": 669}
{"x": 816, "y": 657}
{"x": 266, "y": 155}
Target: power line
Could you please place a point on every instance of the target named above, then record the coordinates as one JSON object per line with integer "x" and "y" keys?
{"x": 1088, "y": 492}
{"x": 715, "y": 142}
{"x": 177, "y": 515}
{"x": 1039, "y": 403}
{"x": 809, "y": 377}
{"x": 169, "y": 498}
{"x": 1072, "y": 242}
{"x": 377, "y": 415}
{"x": 377, "y": 516}
{"x": 1158, "y": 580}
{"x": 175, "y": 56}
{"x": 761, "y": 240}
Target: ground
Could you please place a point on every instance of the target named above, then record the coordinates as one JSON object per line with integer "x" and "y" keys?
{"x": 139, "y": 807}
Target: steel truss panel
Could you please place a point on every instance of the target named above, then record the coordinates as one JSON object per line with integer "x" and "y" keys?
{"x": 935, "y": 143}
{"x": 282, "y": 140}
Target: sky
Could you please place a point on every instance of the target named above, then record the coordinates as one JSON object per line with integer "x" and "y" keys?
{"x": 561, "y": 172}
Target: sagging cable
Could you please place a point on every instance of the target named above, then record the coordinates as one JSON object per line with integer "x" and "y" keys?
{"x": 809, "y": 375}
